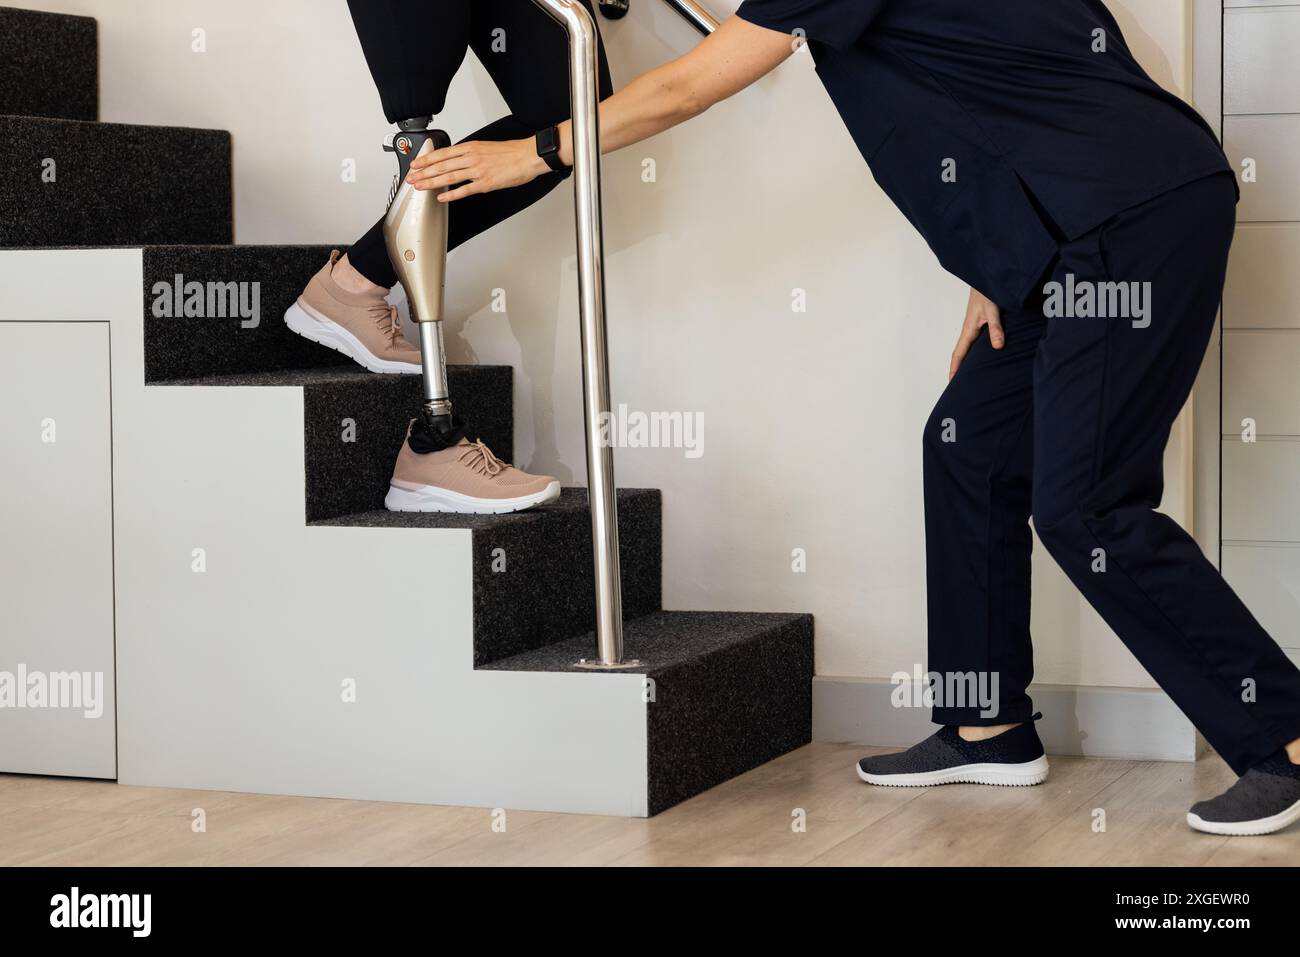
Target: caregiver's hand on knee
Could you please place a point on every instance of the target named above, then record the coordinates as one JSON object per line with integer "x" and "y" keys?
{"x": 980, "y": 312}
{"x": 477, "y": 167}
{"x": 730, "y": 59}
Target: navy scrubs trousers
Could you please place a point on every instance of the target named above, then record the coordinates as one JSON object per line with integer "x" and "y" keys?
{"x": 1067, "y": 424}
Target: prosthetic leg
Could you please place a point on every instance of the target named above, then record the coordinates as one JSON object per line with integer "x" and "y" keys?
{"x": 415, "y": 231}
{"x": 440, "y": 468}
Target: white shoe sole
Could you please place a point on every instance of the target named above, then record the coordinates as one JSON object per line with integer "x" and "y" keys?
{"x": 309, "y": 324}
{"x": 1009, "y": 775}
{"x": 432, "y": 499}
{"x": 1264, "y": 825}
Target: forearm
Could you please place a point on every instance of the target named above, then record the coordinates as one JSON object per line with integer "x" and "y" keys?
{"x": 650, "y": 104}
{"x": 728, "y": 61}
{"x": 723, "y": 64}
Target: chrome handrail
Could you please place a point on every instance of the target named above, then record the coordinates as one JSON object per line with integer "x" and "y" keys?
{"x": 584, "y": 81}
{"x": 695, "y": 15}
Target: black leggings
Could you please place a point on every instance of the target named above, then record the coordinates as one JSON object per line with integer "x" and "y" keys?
{"x": 415, "y": 47}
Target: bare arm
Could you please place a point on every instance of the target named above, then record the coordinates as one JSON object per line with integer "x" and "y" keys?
{"x": 726, "y": 62}
{"x": 735, "y": 56}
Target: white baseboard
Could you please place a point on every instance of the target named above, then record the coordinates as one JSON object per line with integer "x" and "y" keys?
{"x": 1129, "y": 723}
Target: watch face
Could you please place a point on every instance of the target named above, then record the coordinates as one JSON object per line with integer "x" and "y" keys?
{"x": 547, "y": 142}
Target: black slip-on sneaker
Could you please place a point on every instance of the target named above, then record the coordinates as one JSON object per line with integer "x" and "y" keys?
{"x": 1015, "y": 757}
{"x": 1265, "y": 799}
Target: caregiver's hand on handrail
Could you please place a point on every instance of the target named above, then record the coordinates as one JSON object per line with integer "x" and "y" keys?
{"x": 726, "y": 62}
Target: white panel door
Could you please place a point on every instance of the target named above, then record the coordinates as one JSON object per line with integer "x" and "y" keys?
{"x": 57, "y": 703}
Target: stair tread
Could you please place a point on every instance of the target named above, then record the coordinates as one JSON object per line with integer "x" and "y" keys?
{"x": 661, "y": 640}
{"x": 223, "y": 247}
{"x": 572, "y": 500}
{"x": 102, "y": 126}
{"x": 321, "y": 375}
{"x": 188, "y": 247}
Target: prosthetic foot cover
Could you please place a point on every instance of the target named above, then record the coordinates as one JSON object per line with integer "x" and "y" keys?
{"x": 428, "y": 434}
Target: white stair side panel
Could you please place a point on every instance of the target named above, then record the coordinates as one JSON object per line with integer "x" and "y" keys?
{"x": 232, "y": 678}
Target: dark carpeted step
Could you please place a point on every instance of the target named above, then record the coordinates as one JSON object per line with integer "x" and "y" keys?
{"x": 74, "y": 183}
{"x": 356, "y": 422}
{"x": 219, "y": 310}
{"x": 730, "y": 691}
{"x": 49, "y": 65}
{"x": 533, "y": 571}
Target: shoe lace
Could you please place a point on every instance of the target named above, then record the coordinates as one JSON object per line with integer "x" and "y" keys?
{"x": 387, "y": 320}
{"x": 479, "y": 458}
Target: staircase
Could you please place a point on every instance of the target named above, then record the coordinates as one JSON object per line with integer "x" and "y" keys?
{"x": 460, "y": 632}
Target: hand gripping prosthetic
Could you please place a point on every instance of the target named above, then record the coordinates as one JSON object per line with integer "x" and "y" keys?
{"x": 415, "y": 231}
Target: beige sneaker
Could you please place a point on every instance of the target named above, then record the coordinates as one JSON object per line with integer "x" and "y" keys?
{"x": 363, "y": 327}
{"x": 465, "y": 478}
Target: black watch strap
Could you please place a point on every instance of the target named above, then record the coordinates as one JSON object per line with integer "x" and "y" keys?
{"x": 548, "y": 148}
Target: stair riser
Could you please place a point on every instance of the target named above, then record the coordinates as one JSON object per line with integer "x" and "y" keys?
{"x": 534, "y": 584}
{"x": 720, "y": 716}
{"x": 97, "y": 184}
{"x": 49, "y": 65}
{"x": 228, "y": 337}
{"x": 354, "y": 431}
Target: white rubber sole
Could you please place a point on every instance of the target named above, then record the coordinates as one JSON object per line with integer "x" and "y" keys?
{"x": 431, "y": 499}
{"x": 310, "y": 324}
{"x": 1264, "y": 825}
{"x": 1007, "y": 775}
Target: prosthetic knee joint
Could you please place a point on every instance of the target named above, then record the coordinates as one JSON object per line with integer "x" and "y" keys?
{"x": 415, "y": 231}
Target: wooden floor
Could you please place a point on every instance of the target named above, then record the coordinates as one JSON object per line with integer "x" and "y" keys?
{"x": 45, "y": 821}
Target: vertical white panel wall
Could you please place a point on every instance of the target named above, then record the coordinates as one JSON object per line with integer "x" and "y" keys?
{"x": 1261, "y": 317}
{"x": 57, "y": 706}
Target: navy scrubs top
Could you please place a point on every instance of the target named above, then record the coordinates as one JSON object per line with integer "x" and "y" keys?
{"x": 1000, "y": 128}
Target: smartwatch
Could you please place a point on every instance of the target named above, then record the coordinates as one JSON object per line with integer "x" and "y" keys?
{"x": 548, "y": 148}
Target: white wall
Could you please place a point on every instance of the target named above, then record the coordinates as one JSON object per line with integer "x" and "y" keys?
{"x": 812, "y": 421}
